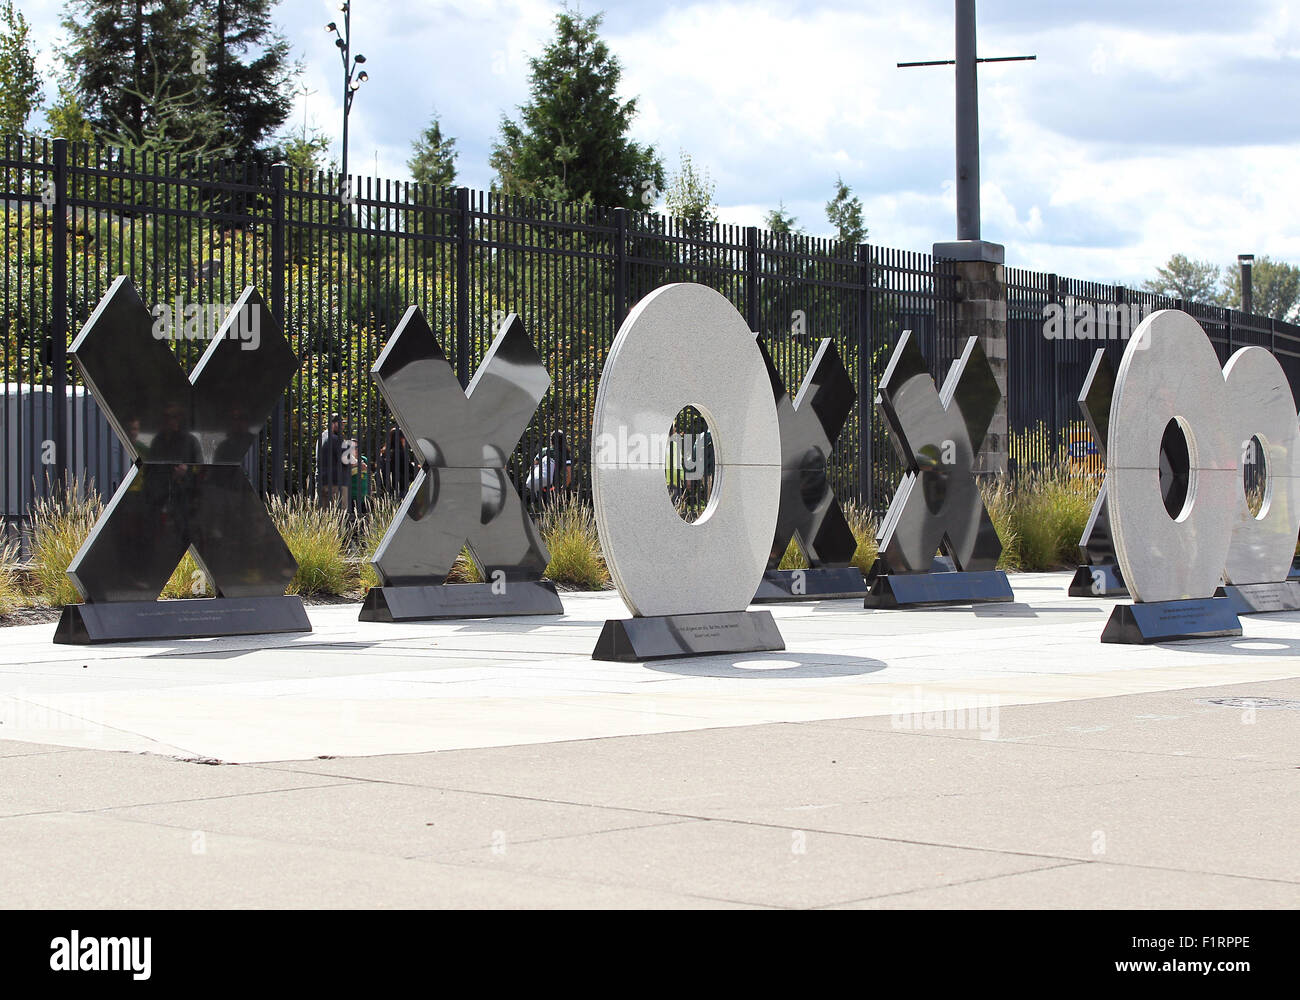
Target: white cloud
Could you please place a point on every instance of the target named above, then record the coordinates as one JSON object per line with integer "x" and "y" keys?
{"x": 1142, "y": 130}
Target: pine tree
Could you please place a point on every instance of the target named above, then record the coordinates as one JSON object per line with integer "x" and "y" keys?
{"x": 65, "y": 118}
{"x": 433, "y": 158}
{"x": 125, "y": 53}
{"x": 570, "y": 142}
{"x": 844, "y": 212}
{"x": 780, "y": 221}
{"x": 20, "y": 83}
{"x": 248, "y": 72}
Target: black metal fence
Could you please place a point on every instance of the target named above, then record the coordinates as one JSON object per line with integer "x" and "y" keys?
{"x": 340, "y": 266}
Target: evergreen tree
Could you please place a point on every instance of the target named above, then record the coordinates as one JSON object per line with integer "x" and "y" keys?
{"x": 433, "y": 158}
{"x": 570, "y": 142}
{"x": 248, "y": 73}
{"x": 780, "y": 221}
{"x": 125, "y": 53}
{"x": 65, "y": 118}
{"x": 844, "y": 212}
{"x": 20, "y": 83}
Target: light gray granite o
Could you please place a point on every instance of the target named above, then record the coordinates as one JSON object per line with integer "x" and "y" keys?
{"x": 1169, "y": 371}
{"x": 1260, "y": 405}
{"x": 681, "y": 345}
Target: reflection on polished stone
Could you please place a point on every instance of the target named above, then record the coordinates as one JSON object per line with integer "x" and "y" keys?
{"x": 464, "y": 438}
{"x": 810, "y": 424}
{"x": 937, "y": 434}
{"x": 188, "y": 438}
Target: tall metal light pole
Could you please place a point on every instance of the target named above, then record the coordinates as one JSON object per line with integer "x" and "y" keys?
{"x": 350, "y": 64}
{"x": 1246, "y": 261}
{"x": 968, "y": 117}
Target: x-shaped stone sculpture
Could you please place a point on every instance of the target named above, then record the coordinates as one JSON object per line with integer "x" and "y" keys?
{"x": 937, "y": 434}
{"x": 810, "y": 424}
{"x": 187, "y": 438}
{"x": 1096, "y": 545}
{"x": 464, "y": 439}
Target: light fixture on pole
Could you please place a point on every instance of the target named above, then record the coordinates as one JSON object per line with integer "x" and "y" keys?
{"x": 1246, "y": 261}
{"x": 350, "y": 84}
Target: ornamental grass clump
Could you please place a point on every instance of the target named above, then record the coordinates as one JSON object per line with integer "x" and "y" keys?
{"x": 60, "y": 524}
{"x": 317, "y": 538}
{"x": 568, "y": 527}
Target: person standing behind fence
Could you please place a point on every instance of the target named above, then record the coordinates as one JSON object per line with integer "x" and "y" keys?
{"x": 396, "y": 463}
{"x": 331, "y": 475}
{"x": 551, "y": 474}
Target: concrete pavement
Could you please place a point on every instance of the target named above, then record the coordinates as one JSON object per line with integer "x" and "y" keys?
{"x": 948, "y": 758}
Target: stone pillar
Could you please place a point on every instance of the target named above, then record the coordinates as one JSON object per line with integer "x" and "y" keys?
{"x": 978, "y": 289}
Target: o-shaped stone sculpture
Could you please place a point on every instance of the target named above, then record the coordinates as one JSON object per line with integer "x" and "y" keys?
{"x": 686, "y": 584}
{"x": 1172, "y": 562}
{"x": 1261, "y": 406}
{"x": 1170, "y": 372}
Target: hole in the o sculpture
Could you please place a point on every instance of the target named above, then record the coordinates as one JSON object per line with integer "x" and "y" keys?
{"x": 689, "y": 468}
{"x": 1254, "y": 476}
{"x": 1175, "y": 469}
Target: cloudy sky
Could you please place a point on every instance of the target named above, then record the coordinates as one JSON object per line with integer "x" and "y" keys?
{"x": 1145, "y": 128}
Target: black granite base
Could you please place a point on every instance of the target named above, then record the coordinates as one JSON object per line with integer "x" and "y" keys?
{"x": 202, "y": 618}
{"x": 1102, "y": 580}
{"x": 918, "y": 590}
{"x": 460, "y": 600}
{"x": 781, "y": 585}
{"x": 1261, "y": 598}
{"x": 1161, "y": 621}
{"x": 633, "y": 640}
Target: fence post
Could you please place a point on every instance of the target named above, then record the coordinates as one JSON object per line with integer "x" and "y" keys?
{"x": 1227, "y": 327}
{"x": 866, "y": 399}
{"x": 751, "y": 277}
{"x": 462, "y": 285}
{"x": 620, "y": 267}
{"x": 59, "y": 314}
{"x": 277, "y": 309}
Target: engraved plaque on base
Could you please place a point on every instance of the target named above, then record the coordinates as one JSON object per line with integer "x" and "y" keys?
{"x": 202, "y": 618}
{"x": 1161, "y": 621}
{"x": 633, "y": 640}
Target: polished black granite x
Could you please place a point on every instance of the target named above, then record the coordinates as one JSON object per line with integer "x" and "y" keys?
{"x": 937, "y": 434}
{"x": 187, "y": 437}
{"x": 463, "y": 494}
{"x": 809, "y": 426}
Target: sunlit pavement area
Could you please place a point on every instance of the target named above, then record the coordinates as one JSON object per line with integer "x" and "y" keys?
{"x": 997, "y": 756}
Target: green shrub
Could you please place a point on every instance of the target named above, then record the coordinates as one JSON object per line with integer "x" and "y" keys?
{"x": 11, "y": 595}
{"x": 569, "y": 529}
{"x": 317, "y": 537}
{"x": 1052, "y": 510}
{"x": 864, "y": 529}
{"x": 1040, "y": 516}
{"x": 1000, "y": 500}
{"x": 381, "y": 508}
{"x": 61, "y": 523}
{"x": 185, "y": 578}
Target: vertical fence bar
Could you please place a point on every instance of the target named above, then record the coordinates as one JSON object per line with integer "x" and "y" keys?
{"x": 866, "y": 402}
{"x": 59, "y": 313}
{"x": 462, "y": 285}
{"x": 751, "y": 277}
{"x": 277, "y": 308}
{"x": 620, "y": 266}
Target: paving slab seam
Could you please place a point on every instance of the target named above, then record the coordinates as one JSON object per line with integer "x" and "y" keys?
{"x": 948, "y": 885}
{"x": 171, "y": 802}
